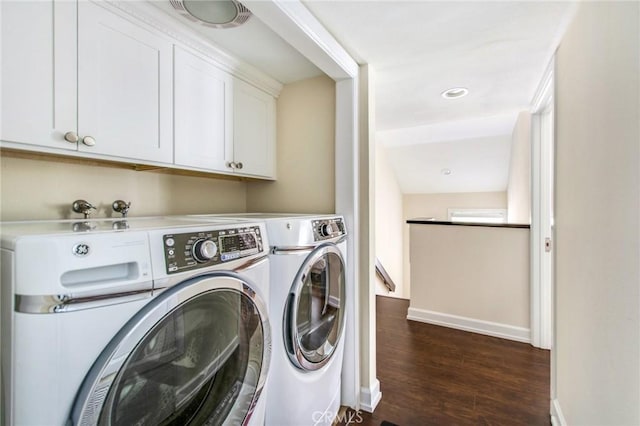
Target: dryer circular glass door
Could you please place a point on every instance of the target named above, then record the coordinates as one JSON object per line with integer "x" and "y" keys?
{"x": 315, "y": 309}
{"x": 196, "y": 354}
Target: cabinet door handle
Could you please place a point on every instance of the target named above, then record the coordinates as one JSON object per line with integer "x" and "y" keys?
{"x": 88, "y": 141}
{"x": 71, "y": 137}
{"x": 239, "y": 165}
{"x": 231, "y": 164}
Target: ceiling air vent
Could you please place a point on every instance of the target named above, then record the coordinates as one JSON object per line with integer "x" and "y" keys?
{"x": 213, "y": 13}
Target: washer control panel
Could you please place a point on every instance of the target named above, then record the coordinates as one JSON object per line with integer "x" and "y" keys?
{"x": 326, "y": 229}
{"x": 188, "y": 251}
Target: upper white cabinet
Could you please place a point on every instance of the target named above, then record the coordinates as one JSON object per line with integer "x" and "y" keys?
{"x": 254, "y": 131}
{"x": 221, "y": 123}
{"x": 39, "y": 81}
{"x": 124, "y": 87}
{"x": 90, "y": 79}
{"x": 76, "y": 76}
{"x": 202, "y": 113}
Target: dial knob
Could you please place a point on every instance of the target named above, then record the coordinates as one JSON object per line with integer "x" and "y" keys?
{"x": 325, "y": 229}
{"x": 204, "y": 250}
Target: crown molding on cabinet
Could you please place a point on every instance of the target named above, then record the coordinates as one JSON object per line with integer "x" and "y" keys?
{"x": 182, "y": 34}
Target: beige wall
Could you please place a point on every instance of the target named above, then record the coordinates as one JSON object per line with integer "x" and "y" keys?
{"x": 305, "y": 157}
{"x": 389, "y": 224}
{"x": 475, "y": 272}
{"x": 519, "y": 186}
{"x": 435, "y": 206}
{"x": 45, "y": 189}
{"x": 597, "y": 339}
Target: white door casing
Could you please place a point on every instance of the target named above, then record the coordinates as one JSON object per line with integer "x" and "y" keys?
{"x": 542, "y": 252}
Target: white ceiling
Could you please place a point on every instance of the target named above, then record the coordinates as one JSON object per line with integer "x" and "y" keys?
{"x": 418, "y": 49}
{"x": 498, "y": 50}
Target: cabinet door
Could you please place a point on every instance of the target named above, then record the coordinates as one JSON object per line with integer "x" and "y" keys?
{"x": 254, "y": 130}
{"x": 202, "y": 111}
{"x": 38, "y": 72}
{"x": 124, "y": 87}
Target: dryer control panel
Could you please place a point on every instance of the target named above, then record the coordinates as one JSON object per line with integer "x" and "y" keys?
{"x": 326, "y": 229}
{"x": 188, "y": 251}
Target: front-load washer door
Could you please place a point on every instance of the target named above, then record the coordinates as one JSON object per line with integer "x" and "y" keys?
{"x": 197, "y": 354}
{"x": 315, "y": 310}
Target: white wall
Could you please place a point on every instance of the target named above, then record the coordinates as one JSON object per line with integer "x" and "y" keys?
{"x": 519, "y": 186}
{"x": 389, "y": 224}
{"x": 435, "y": 206}
{"x": 46, "y": 188}
{"x": 471, "y": 275}
{"x": 597, "y": 339}
{"x": 305, "y": 152}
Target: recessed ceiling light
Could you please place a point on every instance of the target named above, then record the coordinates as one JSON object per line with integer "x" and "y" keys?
{"x": 445, "y": 172}
{"x": 455, "y": 93}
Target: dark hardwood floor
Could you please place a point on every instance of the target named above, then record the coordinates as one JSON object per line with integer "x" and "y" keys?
{"x": 432, "y": 375}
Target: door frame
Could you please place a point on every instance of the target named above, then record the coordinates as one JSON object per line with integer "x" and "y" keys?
{"x": 542, "y": 164}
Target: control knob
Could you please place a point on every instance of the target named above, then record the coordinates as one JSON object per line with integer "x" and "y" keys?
{"x": 204, "y": 250}
{"x": 325, "y": 229}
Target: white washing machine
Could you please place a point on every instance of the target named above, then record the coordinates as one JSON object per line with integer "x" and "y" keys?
{"x": 308, "y": 310}
{"x": 140, "y": 321}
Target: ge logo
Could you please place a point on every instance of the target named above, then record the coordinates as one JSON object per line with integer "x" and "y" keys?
{"x": 81, "y": 249}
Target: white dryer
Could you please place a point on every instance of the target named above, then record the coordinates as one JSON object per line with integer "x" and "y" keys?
{"x": 144, "y": 321}
{"x": 308, "y": 310}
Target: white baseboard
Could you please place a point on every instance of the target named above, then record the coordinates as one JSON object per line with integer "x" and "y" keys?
{"x": 370, "y": 397}
{"x": 557, "y": 418}
{"x": 504, "y": 331}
